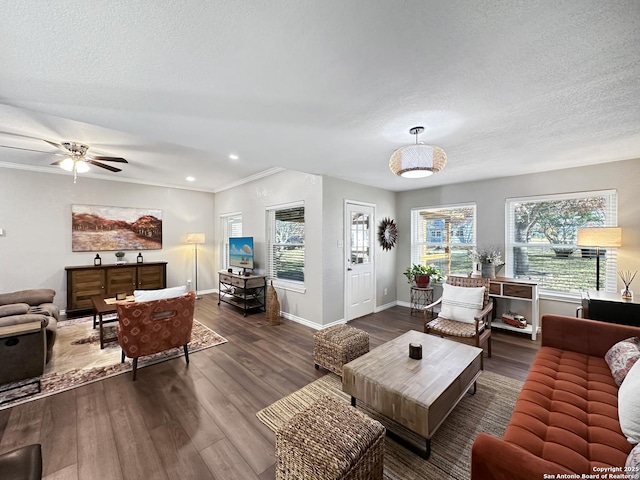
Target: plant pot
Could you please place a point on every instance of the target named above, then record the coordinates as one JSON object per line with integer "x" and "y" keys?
{"x": 422, "y": 281}
{"x": 488, "y": 270}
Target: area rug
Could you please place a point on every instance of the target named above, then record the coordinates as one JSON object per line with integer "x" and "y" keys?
{"x": 488, "y": 410}
{"x": 78, "y": 360}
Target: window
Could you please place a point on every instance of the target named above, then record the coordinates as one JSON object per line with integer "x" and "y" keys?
{"x": 230, "y": 226}
{"x": 443, "y": 236}
{"x": 285, "y": 244}
{"x": 541, "y": 240}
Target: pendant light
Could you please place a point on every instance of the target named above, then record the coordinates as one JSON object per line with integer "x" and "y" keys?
{"x": 418, "y": 160}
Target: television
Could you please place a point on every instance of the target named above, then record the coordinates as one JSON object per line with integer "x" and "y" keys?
{"x": 241, "y": 252}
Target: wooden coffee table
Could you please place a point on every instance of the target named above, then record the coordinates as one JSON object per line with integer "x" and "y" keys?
{"x": 417, "y": 394}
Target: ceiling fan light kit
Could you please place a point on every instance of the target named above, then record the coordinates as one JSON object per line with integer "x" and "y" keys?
{"x": 418, "y": 160}
{"x": 69, "y": 163}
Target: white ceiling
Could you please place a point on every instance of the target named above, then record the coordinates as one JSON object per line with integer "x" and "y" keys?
{"x": 328, "y": 87}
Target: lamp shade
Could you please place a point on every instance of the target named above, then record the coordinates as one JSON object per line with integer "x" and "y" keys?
{"x": 599, "y": 237}
{"x": 69, "y": 163}
{"x": 417, "y": 161}
{"x": 196, "y": 238}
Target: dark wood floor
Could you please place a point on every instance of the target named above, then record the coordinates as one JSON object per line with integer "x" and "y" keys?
{"x": 199, "y": 422}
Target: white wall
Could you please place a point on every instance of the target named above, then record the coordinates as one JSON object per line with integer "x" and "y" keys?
{"x": 490, "y": 197}
{"x": 35, "y": 212}
{"x": 335, "y": 192}
{"x": 251, "y": 199}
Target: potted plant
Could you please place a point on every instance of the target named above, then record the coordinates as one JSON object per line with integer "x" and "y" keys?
{"x": 120, "y": 258}
{"x": 421, "y": 275}
{"x": 489, "y": 258}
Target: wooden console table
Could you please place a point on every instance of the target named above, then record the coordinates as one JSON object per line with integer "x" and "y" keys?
{"x": 519, "y": 296}
{"x": 245, "y": 292}
{"x": 84, "y": 282}
{"x": 610, "y": 307}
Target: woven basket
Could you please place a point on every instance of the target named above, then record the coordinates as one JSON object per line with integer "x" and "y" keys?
{"x": 273, "y": 306}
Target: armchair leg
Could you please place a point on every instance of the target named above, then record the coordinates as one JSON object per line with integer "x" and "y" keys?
{"x": 186, "y": 353}
{"x": 122, "y": 357}
{"x": 489, "y": 347}
{"x": 135, "y": 368}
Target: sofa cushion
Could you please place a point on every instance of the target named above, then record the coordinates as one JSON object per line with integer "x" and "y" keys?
{"x": 462, "y": 304}
{"x": 629, "y": 404}
{"x": 32, "y": 297}
{"x": 632, "y": 467}
{"x": 567, "y": 412}
{"x": 13, "y": 309}
{"x": 24, "y": 318}
{"x": 622, "y": 356}
{"x": 149, "y": 295}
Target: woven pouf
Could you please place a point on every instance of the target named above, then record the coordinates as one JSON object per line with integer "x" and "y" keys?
{"x": 330, "y": 440}
{"x": 337, "y": 345}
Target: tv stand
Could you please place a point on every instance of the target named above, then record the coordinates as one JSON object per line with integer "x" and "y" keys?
{"x": 246, "y": 292}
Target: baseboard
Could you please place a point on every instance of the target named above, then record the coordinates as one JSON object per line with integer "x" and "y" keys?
{"x": 386, "y": 306}
{"x": 307, "y": 323}
{"x": 205, "y": 292}
{"x": 404, "y": 304}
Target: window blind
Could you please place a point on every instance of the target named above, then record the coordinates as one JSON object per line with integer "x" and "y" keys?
{"x": 443, "y": 236}
{"x": 285, "y": 242}
{"x": 541, "y": 239}
{"x": 230, "y": 226}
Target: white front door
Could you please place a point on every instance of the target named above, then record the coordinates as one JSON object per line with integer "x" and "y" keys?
{"x": 359, "y": 254}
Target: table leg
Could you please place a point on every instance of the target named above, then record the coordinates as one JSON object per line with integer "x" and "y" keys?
{"x": 94, "y": 319}
{"x": 353, "y": 401}
{"x": 410, "y": 445}
{"x": 101, "y": 332}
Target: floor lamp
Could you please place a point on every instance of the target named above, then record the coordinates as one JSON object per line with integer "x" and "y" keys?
{"x": 599, "y": 237}
{"x": 196, "y": 239}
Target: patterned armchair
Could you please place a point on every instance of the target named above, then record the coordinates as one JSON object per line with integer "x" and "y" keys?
{"x": 462, "y": 319}
{"x": 145, "y": 328}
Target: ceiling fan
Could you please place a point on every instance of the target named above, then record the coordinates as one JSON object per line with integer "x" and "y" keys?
{"x": 75, "y": 158}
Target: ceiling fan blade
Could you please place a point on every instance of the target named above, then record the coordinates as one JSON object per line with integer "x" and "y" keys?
{"x": 28, "y": 149}
{"x": 106, "y": 159}
{"x": 57, "y": 145}
{"x": 103, "y": 165}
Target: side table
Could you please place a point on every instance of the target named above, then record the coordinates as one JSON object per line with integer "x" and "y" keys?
{"x": 420, "y": 298}
{"x": 100, "y": 308}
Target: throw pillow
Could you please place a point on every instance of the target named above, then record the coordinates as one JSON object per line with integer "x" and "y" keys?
{"x": 622, "y": 356}
{"x": 632, "y": 466}
{"x": 149, "y": 295}
{"x": 461, "y": 303}
{"x": 629, "y": 405}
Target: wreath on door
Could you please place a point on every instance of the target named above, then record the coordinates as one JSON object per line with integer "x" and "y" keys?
{"x": 387, "y": 234}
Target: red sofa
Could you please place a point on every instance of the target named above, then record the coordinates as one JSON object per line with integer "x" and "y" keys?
{"x": 566, "y": 417}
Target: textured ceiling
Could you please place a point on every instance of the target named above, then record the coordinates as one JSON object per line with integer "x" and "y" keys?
{"x": 327, "y": 87}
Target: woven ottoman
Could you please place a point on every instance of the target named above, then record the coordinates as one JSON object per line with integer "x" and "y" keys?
{"x": 337, "y": 345}
{"x": 330, "y": 440}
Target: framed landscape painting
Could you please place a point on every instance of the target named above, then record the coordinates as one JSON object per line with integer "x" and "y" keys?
{"x": 101, "y": 228}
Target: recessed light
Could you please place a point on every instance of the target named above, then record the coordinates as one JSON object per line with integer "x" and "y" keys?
{"x": 233, "y": 156}
{"x": 191, "y": 179}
